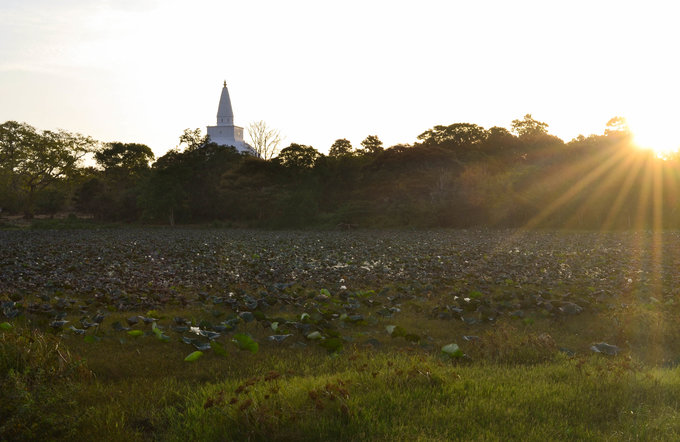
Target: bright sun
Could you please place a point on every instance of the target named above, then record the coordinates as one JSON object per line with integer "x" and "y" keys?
{"x": 656, "y": 135}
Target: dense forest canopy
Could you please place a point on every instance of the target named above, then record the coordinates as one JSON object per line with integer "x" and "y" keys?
{"x": 460, "y": 175}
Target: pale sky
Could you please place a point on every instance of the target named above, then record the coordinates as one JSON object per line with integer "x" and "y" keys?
{"x": 145, "y": 70}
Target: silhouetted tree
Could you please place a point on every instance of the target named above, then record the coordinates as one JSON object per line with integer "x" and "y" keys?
{"x": 129, "y": 158}
{"x": 184, "y": 186}
{"x": 37, "y": 160}
{"x": 372, "y": 145}
{"x": 618, "y": 127}
{"x": 529, "y": 126}
{"x": 114, "y": 192}
{"x": 340, "y": 148}
{"x": 499, "y": 139}
{"x": 458, "y": 176}
{"x": 264, "y": 139}
{"x": 94, "y": 197}
{"x": 454, "y": 136}
{"x": 14, "y": 137}
{"x": 299, "y": 156}
{"x": 192, "y": 139}
{"x": 165, "y": 194}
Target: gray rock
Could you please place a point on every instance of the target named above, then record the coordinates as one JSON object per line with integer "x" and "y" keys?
{"x": 569, "y": 308}
{"x": 57, "y": 324}
{"x": 202, "y": 346}
{"x": 247, "y": 316}
{"x": 604, "y": 348}
{"x": 470, "y": 320}
{"x": 278, "y": 338}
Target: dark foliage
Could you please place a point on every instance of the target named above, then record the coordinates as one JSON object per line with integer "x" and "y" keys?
{"x": 459, "y": 175}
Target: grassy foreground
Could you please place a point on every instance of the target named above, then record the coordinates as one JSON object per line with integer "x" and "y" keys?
{"x": 390, "y": 394}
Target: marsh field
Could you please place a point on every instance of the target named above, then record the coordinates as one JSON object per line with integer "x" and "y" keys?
{"x": 210, "y": 334}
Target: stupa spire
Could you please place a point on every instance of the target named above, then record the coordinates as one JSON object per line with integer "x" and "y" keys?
{"x": 225, "y": 115}
{"x": 225, "y": 133}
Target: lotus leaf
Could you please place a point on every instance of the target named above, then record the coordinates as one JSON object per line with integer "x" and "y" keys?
{"x": 218, "y": 349}
{"x": 452, "y": 350}
{"x": 193, "y": 356}
{"x": 245, "y": 342}
{"x": 314, "y": 335}
{"x": 332, "y": 344}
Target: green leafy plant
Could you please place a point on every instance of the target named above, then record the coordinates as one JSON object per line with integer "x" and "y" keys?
{"x": 453, "y": 351}
{"x": 192, "y": 357}
{"x": 245, "y": 342}
{"x": 218, "y": 349}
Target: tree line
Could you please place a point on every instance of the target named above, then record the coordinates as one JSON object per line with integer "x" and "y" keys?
{"x": 457, "y": 175}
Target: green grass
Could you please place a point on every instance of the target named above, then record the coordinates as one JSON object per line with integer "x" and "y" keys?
{"x": 514, "y": 385}
{"x": 132, "y": 392}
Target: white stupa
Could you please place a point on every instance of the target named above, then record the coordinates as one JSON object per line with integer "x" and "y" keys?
{"x": 225, "y": 133}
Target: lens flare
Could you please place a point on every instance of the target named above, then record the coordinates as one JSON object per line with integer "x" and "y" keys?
{"x": 657, "y": 135}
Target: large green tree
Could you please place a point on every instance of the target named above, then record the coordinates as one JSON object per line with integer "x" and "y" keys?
{"x": 184, "y": 186}
{"x": 37, "y": 160}
{"x": 454, "y": 136}
{"x": 130, "y": 158}
{"x": 165, "y": 192}
{"x": 299, "y": 156}
{"x": 14, "y": 137}
{"x": 113, "y": 192}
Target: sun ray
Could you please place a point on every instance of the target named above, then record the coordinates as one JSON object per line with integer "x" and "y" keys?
{"x": 642, "y": 216}
{"x": 657, "y": 223}
{"x": 604, "y": 187}
{"x": 558, "y": 183}
{"x": 576, "y": 189}
{"x": 594, "y": 166}
{"x": 636, "y": 167}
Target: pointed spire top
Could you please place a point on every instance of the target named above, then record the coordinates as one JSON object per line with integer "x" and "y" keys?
{"x": 225, "y": 116}
{"x": 225, "y": 83}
